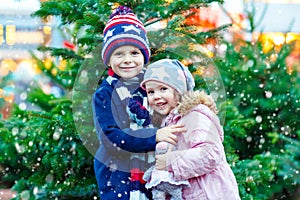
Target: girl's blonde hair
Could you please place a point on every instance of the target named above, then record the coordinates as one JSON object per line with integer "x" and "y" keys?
{"x": 191, "y": 99}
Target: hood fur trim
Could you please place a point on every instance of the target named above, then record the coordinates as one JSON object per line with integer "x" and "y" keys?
{"x": 192, "y": 99}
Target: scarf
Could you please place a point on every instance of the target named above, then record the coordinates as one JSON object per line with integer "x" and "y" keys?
{"x": 140, "y": 162}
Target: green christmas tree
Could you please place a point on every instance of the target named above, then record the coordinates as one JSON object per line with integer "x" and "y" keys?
{"x": 49, "y": 153}
{"x": 264, "y": 91}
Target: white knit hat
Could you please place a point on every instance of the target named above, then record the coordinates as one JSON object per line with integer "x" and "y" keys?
{"x": 172, "y": 73}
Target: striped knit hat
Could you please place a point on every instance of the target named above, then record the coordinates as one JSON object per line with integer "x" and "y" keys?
{"x": 124, "y": 28}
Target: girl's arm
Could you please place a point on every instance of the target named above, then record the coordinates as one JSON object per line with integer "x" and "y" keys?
{"x": 204, "y": 147}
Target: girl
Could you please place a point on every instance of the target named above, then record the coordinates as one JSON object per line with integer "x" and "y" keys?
{"x": 200, "y": 156}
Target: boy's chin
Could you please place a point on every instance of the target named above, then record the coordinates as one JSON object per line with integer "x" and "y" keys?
{"x": 128, "y": 75}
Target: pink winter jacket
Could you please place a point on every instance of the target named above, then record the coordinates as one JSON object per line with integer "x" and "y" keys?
{"x": 200, "y": 157}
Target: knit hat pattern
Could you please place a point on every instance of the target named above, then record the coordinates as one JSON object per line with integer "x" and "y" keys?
{"x": 124, "y": 28}
{"x": 170, "y": 72}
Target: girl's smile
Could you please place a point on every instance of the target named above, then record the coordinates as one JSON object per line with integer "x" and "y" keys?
{"x": 162, "y": 98}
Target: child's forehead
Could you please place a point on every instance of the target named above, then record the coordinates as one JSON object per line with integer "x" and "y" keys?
{"x": 126, "y": 47}
{"x": 155, "y": 84}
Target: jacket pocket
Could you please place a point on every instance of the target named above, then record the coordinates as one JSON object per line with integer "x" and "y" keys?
{"x": 195, "y": 192}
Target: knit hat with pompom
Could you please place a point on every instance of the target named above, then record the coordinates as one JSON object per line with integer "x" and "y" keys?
{"x": 124, "y": 28}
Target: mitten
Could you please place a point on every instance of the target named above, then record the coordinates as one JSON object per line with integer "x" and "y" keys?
{"x": 163, "y": 147}
{"x": 147, "y": 174}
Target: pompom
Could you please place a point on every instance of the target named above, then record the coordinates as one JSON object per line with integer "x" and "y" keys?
{"x": 137, "y": 112}
{"x": 121, "y": 10}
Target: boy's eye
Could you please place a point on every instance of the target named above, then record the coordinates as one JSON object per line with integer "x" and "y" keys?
{"x": 135, "y": 53}
{"x": 117, "y": 54}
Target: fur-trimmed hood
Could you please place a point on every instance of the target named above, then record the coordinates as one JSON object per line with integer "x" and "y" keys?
{"x": 192, "y": 99}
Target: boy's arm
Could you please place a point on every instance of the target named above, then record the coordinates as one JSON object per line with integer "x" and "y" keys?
{"x": 130, "y": 140}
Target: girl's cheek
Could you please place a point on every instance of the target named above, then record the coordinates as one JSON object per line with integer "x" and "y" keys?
{"x": 150, "y": 101}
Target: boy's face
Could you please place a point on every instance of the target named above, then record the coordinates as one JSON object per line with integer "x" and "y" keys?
{"x": 126, "y": 61}
{"x": 161, "y": 97}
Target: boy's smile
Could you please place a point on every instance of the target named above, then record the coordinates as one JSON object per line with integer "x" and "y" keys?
{"x": 127, "y": 61}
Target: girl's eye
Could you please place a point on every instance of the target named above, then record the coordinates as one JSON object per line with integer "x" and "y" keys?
{"x": 163, "y": 88}
{"x": 150, "y": 92}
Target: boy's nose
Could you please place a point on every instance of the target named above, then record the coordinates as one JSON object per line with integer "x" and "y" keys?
{"x": 127, "y": 58}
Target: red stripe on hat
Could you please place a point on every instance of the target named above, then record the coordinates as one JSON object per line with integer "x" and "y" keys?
{"x": 119, "y": 23}
{"x": 124, "y": 19}
{"x": 132, "y": 16}
{"x": 109, "y": 26}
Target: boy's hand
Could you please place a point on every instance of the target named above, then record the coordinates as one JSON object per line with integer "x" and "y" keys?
{"x": 167, "y": 134}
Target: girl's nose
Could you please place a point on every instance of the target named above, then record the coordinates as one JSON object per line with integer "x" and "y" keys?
{"x": 157, "y": 95}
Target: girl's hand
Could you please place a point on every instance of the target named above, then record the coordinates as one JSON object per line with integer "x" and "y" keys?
{"x": 167, "y": 134}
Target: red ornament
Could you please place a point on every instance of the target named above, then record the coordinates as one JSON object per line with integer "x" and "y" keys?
{"x": 69, "y": 45}
{"x": 203, "y": 17}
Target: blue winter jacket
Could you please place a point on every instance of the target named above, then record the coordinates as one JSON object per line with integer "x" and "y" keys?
{"x": 117, "y": 142}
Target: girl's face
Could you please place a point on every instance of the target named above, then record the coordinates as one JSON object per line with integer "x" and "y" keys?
{"x": 162, "y": 98}
{"x": 126, "y": 61}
